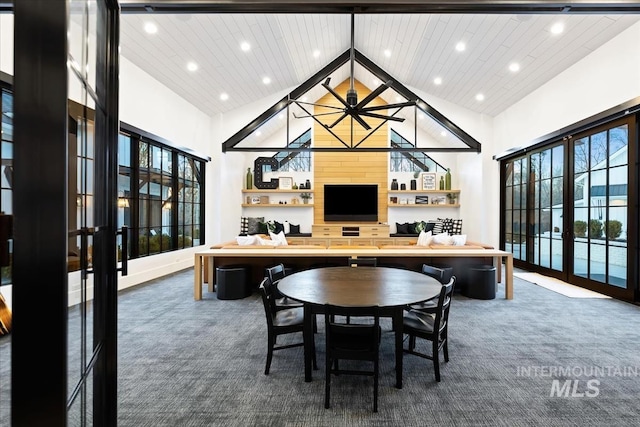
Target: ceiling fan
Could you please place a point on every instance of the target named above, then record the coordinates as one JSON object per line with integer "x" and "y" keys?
{"x": 350, "y": 105}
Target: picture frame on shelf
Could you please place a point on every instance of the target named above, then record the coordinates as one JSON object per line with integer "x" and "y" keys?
{"x": 285, "y": 183}
{"x": 429, "y": 181}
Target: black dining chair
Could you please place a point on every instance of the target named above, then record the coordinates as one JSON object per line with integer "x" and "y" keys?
{"x": 441, "y": 276}
{"x": 275, "y": 273}
{"x": 354, "y": 342}
{"x": 365, "y": 261}
{"x": 433, "y": 327}
{"x": 280, "y": 321}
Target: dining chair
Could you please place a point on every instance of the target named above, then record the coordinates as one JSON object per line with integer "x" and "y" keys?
{"x": 433, "y": 327}
{"x": 368, "y": 262}
{"x": 280, "y": 321}
{"x": 354, "y": 342}
{"x": 441, "y": 276}
{"x": 275, "y": 273}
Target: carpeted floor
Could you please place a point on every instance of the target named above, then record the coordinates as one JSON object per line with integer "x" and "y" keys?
{"x": 200, "y": 363}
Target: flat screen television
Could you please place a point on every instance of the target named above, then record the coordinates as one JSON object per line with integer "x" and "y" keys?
{"x": 351, "y": 202}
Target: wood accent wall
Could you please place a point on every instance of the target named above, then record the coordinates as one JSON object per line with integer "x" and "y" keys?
{"x": 350, "y": 166}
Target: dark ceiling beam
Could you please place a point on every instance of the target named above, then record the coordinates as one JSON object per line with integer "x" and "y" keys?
{"x": 313, "y": 81}
{"x": 380, "y": 6}
{"x": 470, "y": 141}
{"x": 342, "y": 149}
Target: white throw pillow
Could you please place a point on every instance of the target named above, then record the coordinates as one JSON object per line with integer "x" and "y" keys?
{"x": 424, "y": 239}
{"x": 267, "y": 242}
{"x": 279, "y": 238}
{"x": 247, "y": 240}
{"x": 459, "y": 239}
{"x": 442, "y": 239}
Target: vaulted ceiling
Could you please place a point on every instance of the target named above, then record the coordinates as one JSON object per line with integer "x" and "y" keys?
{"x": 419, "y": 48}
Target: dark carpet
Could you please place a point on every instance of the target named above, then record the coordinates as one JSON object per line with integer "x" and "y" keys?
{"x": 539, "y": 359}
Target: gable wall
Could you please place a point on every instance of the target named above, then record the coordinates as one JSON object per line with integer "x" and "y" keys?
{"x": 351, "y": 167}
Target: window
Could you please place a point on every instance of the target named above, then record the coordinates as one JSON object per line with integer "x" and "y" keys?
{"x": 160, "y": 194}
{"x": 410, "y": 161}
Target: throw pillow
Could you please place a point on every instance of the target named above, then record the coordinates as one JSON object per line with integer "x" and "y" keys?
{"x": 411, "y": 228}
{"x": 442, "y": 239}
{"x": 278, "y": 227}
{"x": 424, "y": 239}
{"x": 437, "y": 226}
{"x": 456, "y": 226}
{"x": 459, "y": 239}
{"x": 244, "y": 225}
{"x": 402, "y": 228}
{"x": 429, "y": 226}
{"x": 447, "y": 225}
{"x": 247, "y": 240}
{"x": 254, "y": 227}
{"x": 294, "y": 229}
{"x": 279, "y": 238}
{"x": 267, "y": 242}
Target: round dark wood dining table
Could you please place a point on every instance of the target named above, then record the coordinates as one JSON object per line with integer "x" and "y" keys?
{"x": 391, "y": 289}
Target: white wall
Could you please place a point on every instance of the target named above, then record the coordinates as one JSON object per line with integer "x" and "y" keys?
{"x": 608, "y": 77}
{"x": 6, "y": 43}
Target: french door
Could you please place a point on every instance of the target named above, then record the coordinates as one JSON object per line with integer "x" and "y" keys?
{"x": 65, "y": 191}
{"x": 566, "y": 208}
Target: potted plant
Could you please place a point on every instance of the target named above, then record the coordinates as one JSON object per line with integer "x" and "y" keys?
{"x": 452, "y": 198}
{"x": 305, "y": 197}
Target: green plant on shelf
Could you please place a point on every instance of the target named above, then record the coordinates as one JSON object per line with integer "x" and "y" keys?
{"x": 305, "y": 197}
{"x": 452, "y": 198}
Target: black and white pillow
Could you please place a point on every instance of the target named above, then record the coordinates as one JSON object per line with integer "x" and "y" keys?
{"x": 438, "y": 226}
{"x": 456, "y": 227}
{"x": 244, "y": 226}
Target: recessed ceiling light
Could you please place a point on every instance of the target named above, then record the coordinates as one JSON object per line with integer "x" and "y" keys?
{"x": 460, "y": 47}
{"x": 304, "y": 99}
{"x": 376, "y": 82}
{"x": 245, "y": 46}
{"x": 316, "y": 53}
{"x": 399, "y": 99}
{"x": 281, "y": 116}
{"x": 266, "y": 80}
{"x": 192, "y": 66}
{"x": 480, "y": 97}
{"x": 258, "y": 133}
{"x": 437, "y": 81}
{"x": 557, "y": 28}
{"x": 387, "y": 53}
{"x": 224, "y": 96}
{"x": 150, "y": 27}
{"x": 514, "y": 67}
{"x": 443, "y": 133}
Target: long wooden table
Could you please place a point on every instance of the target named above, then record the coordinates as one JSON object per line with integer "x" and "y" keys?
{"x": 286, "y": 254}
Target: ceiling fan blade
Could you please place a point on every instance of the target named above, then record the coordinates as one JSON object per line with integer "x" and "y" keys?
{"x": 317, "y": 115}
{"x": 335, "y": 94}
{"x": 385, "y": 107}
{"x": 358, "y": 119}
{"x": 374, "y": 94}
{"x": 383, "y": 117}
{"x": 319, "y": 105}
{"x": 338, "y": 121}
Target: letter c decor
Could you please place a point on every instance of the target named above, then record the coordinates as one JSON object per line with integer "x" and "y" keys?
{"x": 258, "y": 172}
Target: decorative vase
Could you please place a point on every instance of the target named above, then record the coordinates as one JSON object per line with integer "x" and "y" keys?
{"x": 447, "y": 180}
{"x": 442, "y": 182}
{"x": 394, "y": 184}
{"x": 414, "y": 184}
{"x": 403, "y": 186}
{"x": 249, "y": 179}
{"x": 307, "y": 185}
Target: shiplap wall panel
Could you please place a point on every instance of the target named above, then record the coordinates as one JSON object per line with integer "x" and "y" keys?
{"x": 350, "y": 166}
